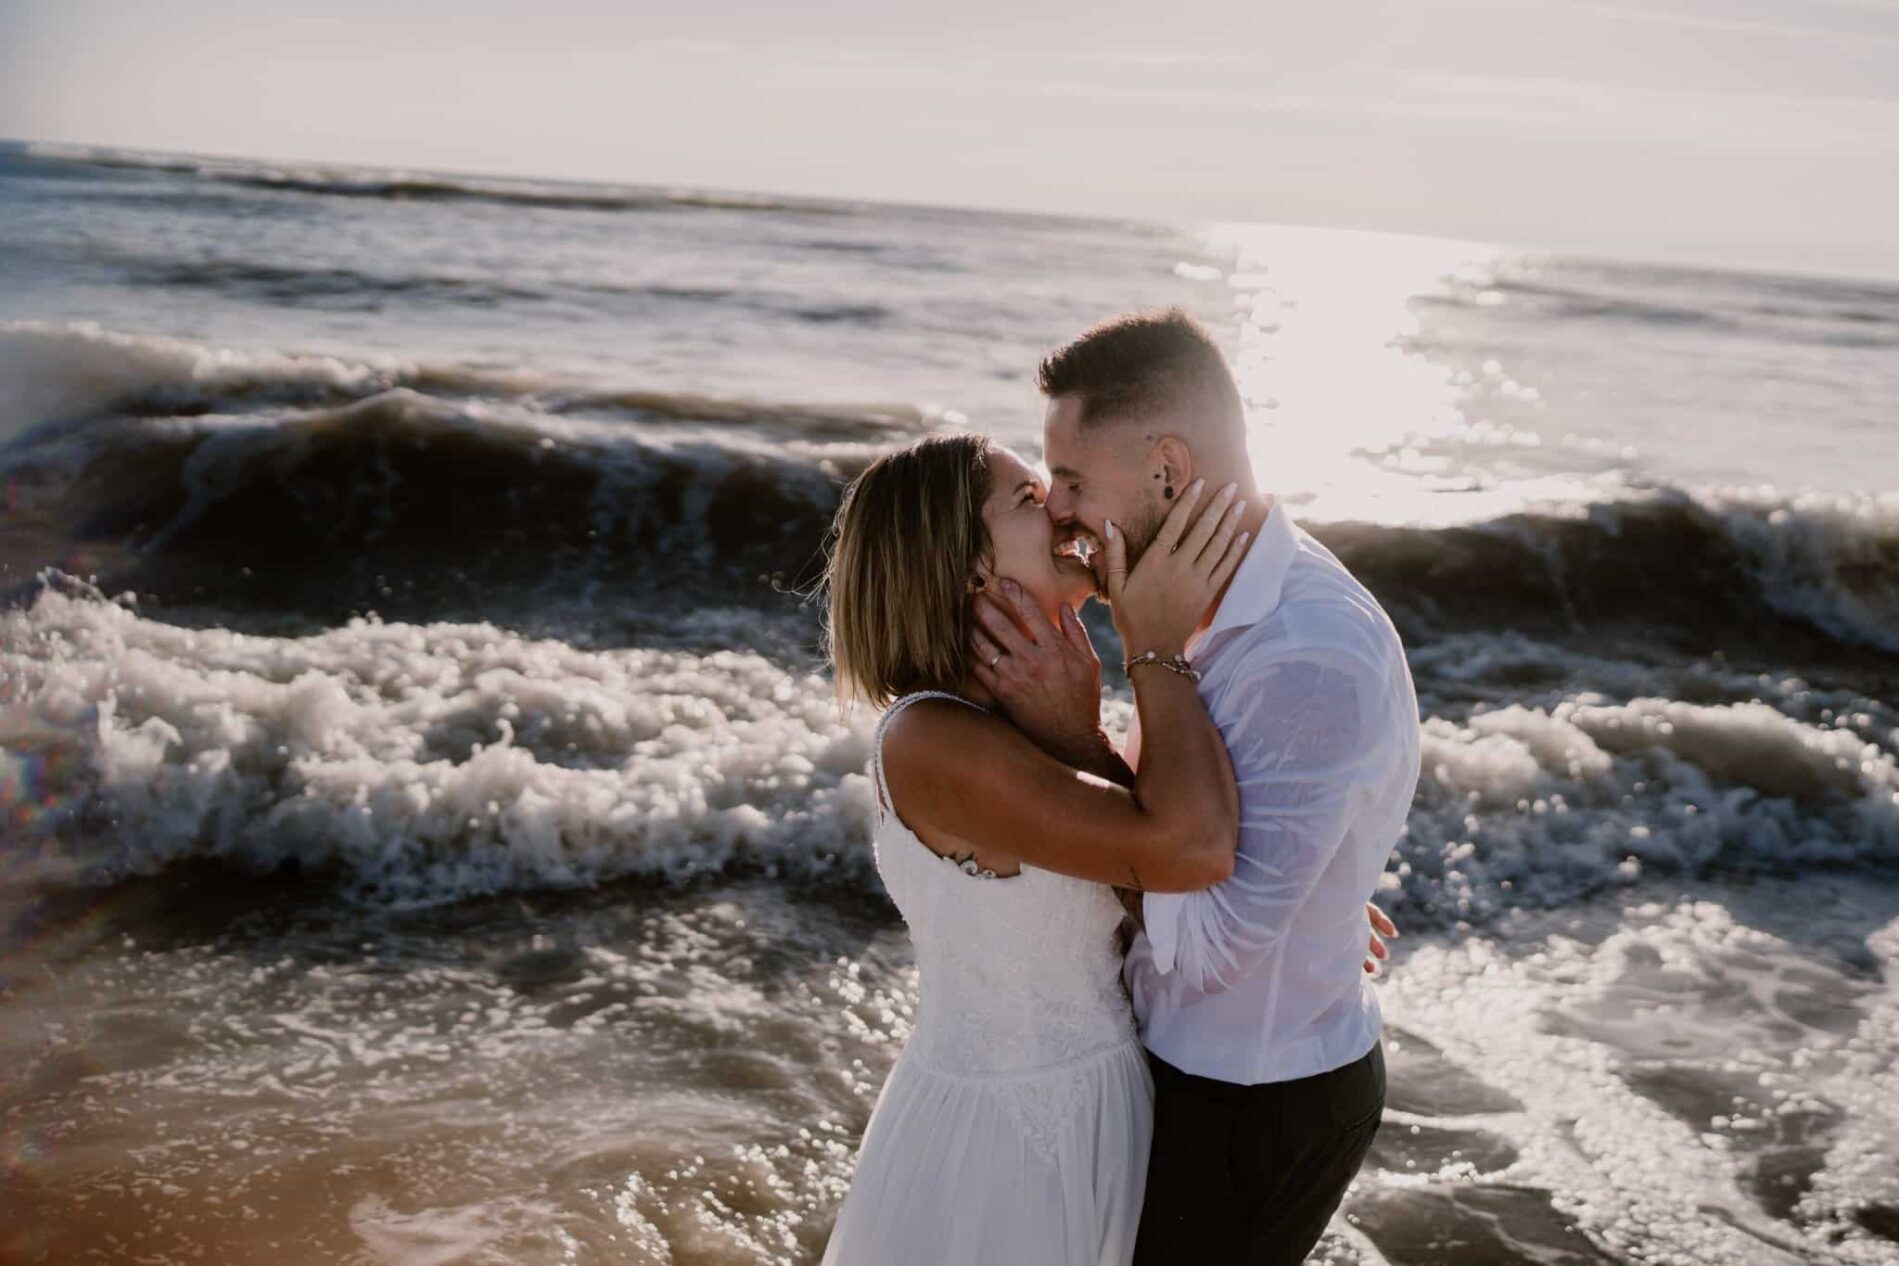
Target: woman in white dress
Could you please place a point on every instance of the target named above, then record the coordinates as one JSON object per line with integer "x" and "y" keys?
{"x": 1014, "y": 1128}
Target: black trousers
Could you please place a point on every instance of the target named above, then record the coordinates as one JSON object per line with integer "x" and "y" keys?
{"x": 1251, "y": 1174}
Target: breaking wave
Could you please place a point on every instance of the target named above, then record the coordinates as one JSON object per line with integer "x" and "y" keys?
{"x": 424, "y": 763}
{"x": 318, "y": 483}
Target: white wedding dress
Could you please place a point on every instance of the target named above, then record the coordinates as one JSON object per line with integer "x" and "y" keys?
{"x": 1013, "y": 1129}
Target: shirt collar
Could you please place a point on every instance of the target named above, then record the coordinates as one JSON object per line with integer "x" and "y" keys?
{"x": 1256, "y": 586}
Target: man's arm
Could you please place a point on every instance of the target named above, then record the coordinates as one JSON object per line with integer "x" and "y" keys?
{"x": 1302, "y": 746}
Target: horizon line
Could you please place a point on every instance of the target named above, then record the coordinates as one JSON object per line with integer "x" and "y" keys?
{"x": 1191, "y": 222}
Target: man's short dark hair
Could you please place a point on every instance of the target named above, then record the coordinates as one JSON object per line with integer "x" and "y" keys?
{"x": 1139, "y": 363}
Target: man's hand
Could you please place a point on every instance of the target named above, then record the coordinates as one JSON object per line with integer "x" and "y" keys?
{"x": 1382, "y": 927}
{"x": 1046, "y": 678}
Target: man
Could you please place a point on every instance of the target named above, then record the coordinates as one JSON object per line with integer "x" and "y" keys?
{"x": 1261, "y": 1027}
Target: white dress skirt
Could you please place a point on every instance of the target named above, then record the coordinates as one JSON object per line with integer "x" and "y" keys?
{"x": 1014, "y": 1128}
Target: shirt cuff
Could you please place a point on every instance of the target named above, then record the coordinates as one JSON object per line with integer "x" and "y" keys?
{"x": 1160, "y": 914}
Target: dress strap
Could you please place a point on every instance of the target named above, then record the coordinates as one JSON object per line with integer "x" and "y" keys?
{"x": 877, "y": 740}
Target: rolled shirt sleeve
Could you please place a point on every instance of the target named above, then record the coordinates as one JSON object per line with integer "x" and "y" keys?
{"x": 1295, "y": 723}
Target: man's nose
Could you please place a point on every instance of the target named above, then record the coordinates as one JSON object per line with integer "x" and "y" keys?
{"x": 1061, "y": 510}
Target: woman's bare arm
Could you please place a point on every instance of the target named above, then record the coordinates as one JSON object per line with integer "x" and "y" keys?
{"x": 961, "y": 776}
{"x": 975, "y": 779}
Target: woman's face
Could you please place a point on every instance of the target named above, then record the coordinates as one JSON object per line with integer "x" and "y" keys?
{"x": 1025, "y": 540}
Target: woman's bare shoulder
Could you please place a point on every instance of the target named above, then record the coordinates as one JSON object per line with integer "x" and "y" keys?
{"x": 945, "y": 764}
{"x": 937, "y": 732}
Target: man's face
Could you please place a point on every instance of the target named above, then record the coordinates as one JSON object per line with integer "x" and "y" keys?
{"x": 1098, "y": 475}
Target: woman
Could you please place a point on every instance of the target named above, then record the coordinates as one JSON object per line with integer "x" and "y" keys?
{"x": 1014, "y": 1128}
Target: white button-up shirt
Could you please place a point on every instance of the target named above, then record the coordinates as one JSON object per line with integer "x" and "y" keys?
{"x": 1260, "y": 978}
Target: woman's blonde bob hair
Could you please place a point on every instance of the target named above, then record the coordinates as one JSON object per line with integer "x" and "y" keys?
{"x": 908, "y": 538}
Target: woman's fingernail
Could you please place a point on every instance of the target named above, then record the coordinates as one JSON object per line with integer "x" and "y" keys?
{"x": 1109, "y": 524}
{"x": 1239, "y": 508}
{"x": 1198, "y": 484}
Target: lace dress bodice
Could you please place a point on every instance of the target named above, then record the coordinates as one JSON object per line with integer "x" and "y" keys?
{"x": 1019, "y": 974}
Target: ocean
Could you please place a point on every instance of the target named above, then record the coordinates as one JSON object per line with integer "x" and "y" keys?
{"x": 430, "y": 835}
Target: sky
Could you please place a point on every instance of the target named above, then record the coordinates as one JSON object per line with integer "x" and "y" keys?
{"x": 1757, "y": 133}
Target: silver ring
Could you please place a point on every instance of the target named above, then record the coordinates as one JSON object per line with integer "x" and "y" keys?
{"x": 996, "y": 659}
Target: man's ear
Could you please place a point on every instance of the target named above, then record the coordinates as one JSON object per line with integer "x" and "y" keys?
{"x": 1170, "y": 464}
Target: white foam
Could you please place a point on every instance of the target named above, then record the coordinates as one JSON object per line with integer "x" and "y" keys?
{"x": 1546, "y": 804}
{"x": 1660, "y": 1053}
{"x": 433, "y": 762}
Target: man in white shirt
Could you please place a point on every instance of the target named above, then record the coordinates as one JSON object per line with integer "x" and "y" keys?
{"x": 1261, "y": 1026}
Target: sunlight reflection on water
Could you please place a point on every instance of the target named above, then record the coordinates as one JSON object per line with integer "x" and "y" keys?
{"x": 1349, "y": 419}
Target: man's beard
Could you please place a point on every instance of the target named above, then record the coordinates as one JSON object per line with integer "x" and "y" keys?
{"x": 1138, "y": 532}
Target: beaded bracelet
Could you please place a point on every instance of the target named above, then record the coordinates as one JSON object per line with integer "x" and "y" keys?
{"x": 1174, "y": 663}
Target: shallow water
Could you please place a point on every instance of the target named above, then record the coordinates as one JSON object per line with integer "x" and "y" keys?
{"x": 210, "y": 1070}
{"x": 624, "y": 1075}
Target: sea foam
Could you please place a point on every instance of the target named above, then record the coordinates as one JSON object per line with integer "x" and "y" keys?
{"x": 424, "y": 763}
{"x": 428, "y": 762}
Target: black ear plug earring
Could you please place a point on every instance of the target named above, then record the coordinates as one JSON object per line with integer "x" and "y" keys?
{"x": 1168, "y": 492}
{"x": 977, "y": 583}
